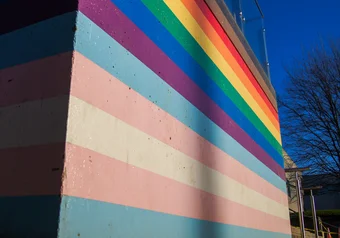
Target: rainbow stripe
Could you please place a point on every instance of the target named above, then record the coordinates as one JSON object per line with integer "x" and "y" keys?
{"x": 152, "y": 123}
{"x": 222, "y": 58}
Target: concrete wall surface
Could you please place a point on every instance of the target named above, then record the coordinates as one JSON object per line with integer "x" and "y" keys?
{"x": 133, "y": 119}
{"x": 291, "y": 182}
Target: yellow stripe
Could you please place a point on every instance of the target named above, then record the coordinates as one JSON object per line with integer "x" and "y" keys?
{"x": 92, "y": 128}
{"x": 228, "y": 56}
{"x": 196, "y": 31}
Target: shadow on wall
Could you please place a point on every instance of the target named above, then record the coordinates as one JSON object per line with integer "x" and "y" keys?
{"x": 35, "y": 75}
{"x": 207, "y": 229}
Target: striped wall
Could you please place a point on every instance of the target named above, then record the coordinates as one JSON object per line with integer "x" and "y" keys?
{"x": 134, "y": 119}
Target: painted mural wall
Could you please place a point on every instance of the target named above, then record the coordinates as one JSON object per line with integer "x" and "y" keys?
{"x": 134, "y": 119}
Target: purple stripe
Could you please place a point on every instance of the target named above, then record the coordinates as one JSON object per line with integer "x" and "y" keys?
{"x": 107, "y": 16}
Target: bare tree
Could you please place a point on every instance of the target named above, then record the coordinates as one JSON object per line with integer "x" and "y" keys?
{"x": 310, "y": 111}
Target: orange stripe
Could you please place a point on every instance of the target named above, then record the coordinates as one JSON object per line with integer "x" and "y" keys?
{"x": 217, "y": 41}
{"x": 221, "y": 32}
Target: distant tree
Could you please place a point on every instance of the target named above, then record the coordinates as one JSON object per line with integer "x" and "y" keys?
{"x": 310, "y": 110}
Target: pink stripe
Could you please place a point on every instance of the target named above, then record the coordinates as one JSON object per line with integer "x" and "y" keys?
{"x": 34, "y": 170}
{"x": 38, "y": 79}
{"x": 126, "y": 33}
{"x": 97, "y": 87}
{"x": 94, "y": 176}
{"x": 37, "y": 170}
{"x": 49, "y": 77}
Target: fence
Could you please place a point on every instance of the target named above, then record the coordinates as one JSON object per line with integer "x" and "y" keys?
{"x": 250, "y": 19}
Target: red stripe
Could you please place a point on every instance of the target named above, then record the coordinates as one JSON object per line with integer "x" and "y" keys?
{"x": 130, "y": 38}
{"x": 214, "y": 22}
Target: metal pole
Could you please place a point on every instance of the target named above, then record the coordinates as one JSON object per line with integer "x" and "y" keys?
{"x": 321, "y": 228}
{"x": 299, "y": 198}
{"x": 242, "y": 18}
{"x": 265, "y": 50}
{"x": 259, "y": 8}
{"x": 315, "y": 222}
{"x": 300, "y": 205}
{"x": 312, "y": 204}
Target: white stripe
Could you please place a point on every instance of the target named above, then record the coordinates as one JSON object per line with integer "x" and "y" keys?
{"x": 34, "y": 123}
{"x": 92, "y": 128}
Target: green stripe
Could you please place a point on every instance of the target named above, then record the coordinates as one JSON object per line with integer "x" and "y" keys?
{"x": 175, "y": 27}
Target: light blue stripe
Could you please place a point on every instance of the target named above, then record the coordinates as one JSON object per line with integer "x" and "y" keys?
{"x": 88, "y": 219}
{"x": 142, "y": 17}
{"x": 95, "y": 44}
{"x": 57, "y": 34}
{"x": 29, "y": 216}
{"x": 43, "y": 39}
{"x": 99, "y": 47}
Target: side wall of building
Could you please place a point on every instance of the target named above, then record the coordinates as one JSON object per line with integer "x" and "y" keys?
{"x": 291, "y": 183}
{"x": 35, "y": 75}
{"x": 169, "y": 134}
{"x": 167, "y": 129}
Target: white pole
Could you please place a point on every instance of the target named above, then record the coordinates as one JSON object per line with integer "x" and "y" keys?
{"x": 300, "y": 205}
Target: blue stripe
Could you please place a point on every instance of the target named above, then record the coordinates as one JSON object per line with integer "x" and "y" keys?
{"x": 106, "y": 52}
{"x": 133, "y": 73}
{"x": 149, "y": 24}
{"x": 37, "y": 41}
{"x": 28, "y": 217}
{"x": 22, "y": 46}
{"x": 88, "y": 218}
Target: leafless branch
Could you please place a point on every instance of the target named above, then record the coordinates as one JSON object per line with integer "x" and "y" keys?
{"x": 310, "y": 110}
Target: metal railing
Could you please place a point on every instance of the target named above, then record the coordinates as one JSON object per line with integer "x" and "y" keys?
{"x": 250, "y": 19}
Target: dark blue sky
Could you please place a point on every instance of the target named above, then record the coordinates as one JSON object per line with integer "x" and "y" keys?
{"x": 294, "y": 24}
